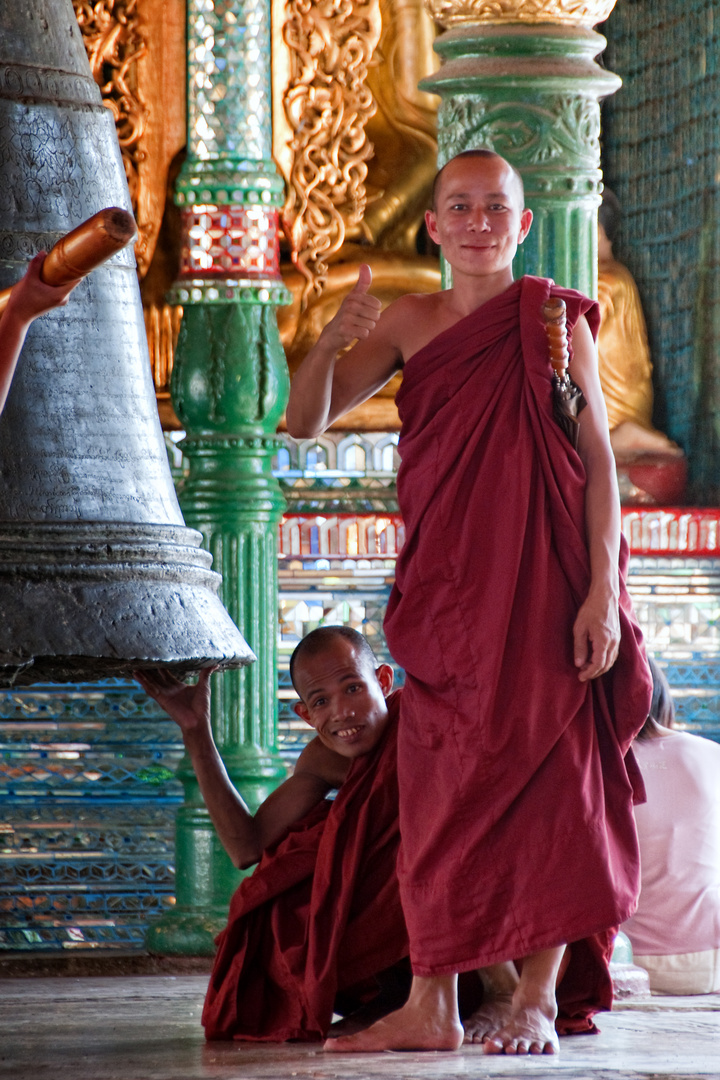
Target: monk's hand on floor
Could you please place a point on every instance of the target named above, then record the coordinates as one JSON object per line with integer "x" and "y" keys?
{"x": 596, "y": 635}
{"x": 356, "y": 316}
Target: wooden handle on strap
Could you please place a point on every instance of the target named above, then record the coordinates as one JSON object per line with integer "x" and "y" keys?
{"x": 85, "y": 248}
{"x": 553, "y": 313}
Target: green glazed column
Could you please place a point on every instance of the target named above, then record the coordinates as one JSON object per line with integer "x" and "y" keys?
{"x": 229, "y": 390}
{"x": 531, "y": 92}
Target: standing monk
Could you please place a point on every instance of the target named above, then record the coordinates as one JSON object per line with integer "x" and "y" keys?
{"x": 508, "y": 612}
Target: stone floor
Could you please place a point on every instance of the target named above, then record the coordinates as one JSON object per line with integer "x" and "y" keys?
{"x": 147, "y": 1028}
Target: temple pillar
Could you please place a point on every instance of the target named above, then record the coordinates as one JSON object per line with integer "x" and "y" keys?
{"x": 229, "y": 389}
{"x": 521, "y": 79}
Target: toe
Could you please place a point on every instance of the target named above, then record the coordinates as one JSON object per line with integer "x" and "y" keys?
{"x": 492, "y": 1046}
{"x": 336, "y": 1045}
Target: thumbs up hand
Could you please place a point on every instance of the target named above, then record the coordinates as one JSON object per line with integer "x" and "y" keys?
{"x": 364, "y": 280}
{"x": 357, "y": 315}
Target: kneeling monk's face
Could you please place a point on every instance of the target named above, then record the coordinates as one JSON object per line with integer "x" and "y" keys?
{"x": 343, "y": 698}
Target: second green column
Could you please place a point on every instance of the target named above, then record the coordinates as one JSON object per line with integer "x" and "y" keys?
{"x": 229, "y": 390}
{"x": 521, "y": 79}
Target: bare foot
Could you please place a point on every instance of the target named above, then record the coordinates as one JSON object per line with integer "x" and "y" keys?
{"x": 349, "y": 1025}
{"x": 491, "y": 1017}
{"x": 528, "y": 1030}
{"x": 400, "y": 1031}
{"x": 359, "y": 1020}
{"x": 421, "y": 1024}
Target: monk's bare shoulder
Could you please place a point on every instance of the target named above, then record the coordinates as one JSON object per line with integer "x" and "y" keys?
{"x": 320, "y": 761}
{"x": 412, "y": 321}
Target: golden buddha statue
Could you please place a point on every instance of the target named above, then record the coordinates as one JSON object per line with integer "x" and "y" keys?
{"x": 623, "y": 352}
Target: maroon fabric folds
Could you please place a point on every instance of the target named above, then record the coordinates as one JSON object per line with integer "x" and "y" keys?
{"x": 586, "y": 987}
{"x": 321, "y": 913}
{"x": 516, "y": 780}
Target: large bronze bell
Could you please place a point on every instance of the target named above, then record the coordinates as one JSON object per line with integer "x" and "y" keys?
{"x": 98, "y": 573}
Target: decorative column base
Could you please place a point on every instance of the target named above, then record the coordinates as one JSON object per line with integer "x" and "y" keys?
{"x": 629, "y": 980}
{"x": 205, "y": 876}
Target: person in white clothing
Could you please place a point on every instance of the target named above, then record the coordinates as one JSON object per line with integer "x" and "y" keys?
{"x": 675, "y": 933}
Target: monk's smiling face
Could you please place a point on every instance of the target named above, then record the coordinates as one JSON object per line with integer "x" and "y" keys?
{"x": 479, "y": 218}
{"x": 343, "y": 697}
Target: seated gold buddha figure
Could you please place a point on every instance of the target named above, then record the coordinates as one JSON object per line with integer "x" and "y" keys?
{"x": 623, "y": 353}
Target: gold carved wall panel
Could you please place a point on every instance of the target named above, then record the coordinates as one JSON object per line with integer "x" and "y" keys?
{"x": 327, "y": 104}
{"x": 136, "y": 50}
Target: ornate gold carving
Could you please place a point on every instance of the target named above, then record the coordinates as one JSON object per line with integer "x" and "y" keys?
{"x": 162, "y": 324}
{"x": 327, "y": 104}
{"x": 114, "y": 45}
{"x": 567, "y": 12}
{"x": 402, "y": 131}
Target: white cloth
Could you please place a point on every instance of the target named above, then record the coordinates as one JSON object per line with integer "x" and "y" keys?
{"x": 684, "y": 973}
{"x": 675, "y": 932}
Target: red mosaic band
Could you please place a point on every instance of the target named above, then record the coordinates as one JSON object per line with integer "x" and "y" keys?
{"x": 230, "y": 241}
{"x": 668, "y": 531}
{"x": 341, "y": 535}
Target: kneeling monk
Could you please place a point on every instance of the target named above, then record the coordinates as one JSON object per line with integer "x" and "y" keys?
{"x": 321, "y": 915}
{"x": 319, "y": 925}
{"x": 526, "y": 676}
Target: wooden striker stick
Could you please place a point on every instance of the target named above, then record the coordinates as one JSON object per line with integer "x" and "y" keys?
{"x": 85, "y": 248}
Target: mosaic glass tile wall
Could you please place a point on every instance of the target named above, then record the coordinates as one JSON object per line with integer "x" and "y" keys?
{"x": 677, "y": 603}
{"x": 660, "y": 151}
{"x": 87, "y": 809}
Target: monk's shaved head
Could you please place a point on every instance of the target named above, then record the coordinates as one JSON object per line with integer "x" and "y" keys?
{"x": 480, "y": 152}
{"x": 322, "y": 638}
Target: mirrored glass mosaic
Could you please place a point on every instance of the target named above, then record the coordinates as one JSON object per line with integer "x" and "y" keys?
{"x": 229, "y": 90}
{"x": 88, "y": 797}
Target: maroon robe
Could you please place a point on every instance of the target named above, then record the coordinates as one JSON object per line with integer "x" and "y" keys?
{"x": 516, "y": 779}
{"x": 320, "y": 915}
